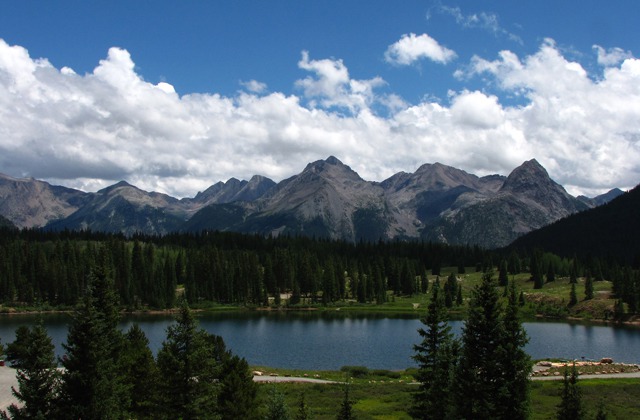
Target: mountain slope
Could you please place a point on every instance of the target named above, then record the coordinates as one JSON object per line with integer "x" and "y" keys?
{"x": 6, "y": 223}
{"x": 327, "y": 199}
{"x": 527, "y": 200}
{"x": 127, "y": 209}
{"x": 610, "y": 230}
{"x": 31, "y": 203}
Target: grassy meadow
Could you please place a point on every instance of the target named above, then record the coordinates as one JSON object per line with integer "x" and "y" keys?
{"x": 388, "y": 395}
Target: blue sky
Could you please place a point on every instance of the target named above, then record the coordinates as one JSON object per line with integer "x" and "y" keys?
{"x": 174, "y": 96}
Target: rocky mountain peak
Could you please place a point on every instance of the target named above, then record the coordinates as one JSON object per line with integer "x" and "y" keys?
{"x": 529, "y": 177}
{"x": 116, "y": 186}
{"x": 331, "y": 168}
{"x": 440, "y": 177}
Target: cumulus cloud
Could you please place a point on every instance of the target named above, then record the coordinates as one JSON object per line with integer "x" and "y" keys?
{"x": 333, "y": 87}
{"x": 254, "y": 86}
{"x": 612, "y": 56}
{"x": 88, "y": 131}
{"x": 476, "y": 109}
{"x": 411, "y": 48}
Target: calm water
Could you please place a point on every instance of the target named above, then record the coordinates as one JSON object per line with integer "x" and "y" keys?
{"x": 330, "y": 341}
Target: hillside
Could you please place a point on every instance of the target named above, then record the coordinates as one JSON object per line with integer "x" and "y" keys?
{"x": 612, "y": 230}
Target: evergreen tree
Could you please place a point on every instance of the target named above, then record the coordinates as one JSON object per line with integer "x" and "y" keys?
{"x": 141, "y": 374}
{"x": 346, "y": 407}
{"x": 573, "y": 298}
{"x": 435, "y": 358}
{"x": 276, "y": 407}
{"x": 92, "y": 387}
{"x": 570, "y": 407}
{"x": 237, "y": 397}
{"x": 516, "y": 363}
{"x": 303, "y": 412}
{"x": 189, "y": 364}
{"x": 588, "y": 287}
{"x": 503, "y": 275}
{"x": 491, "y": 374}
{"x": 38, "y": 378}
{"x": 573, "y": 271}
{"x": 536, "y": 275}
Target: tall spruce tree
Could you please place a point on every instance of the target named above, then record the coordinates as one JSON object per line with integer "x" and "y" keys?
{"x": 276, "y": 406}
{"x": 491, "y": 374}
{"x": 588, "y": 287}
{"x": 516, "y": 363}
{"x": 435, "y": 357}
{"x": 92, "y": 386}
{"x": 346, "y": 407}
{"x": 189, "y": 364}
{"x": 38, "y": 378}
{"x": 570, "y": 407}
{"x": 237, "y": 396}
{"x": 535, "y": 270}
{"x": 140, "y": 373}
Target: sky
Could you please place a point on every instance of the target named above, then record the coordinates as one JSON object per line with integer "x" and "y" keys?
{"x": 174, "y": 96}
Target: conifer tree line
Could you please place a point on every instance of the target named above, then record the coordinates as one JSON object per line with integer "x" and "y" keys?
{"x": 51, "y": 268}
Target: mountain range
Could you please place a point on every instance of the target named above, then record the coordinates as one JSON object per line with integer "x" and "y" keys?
{"x": 327, "y": 199}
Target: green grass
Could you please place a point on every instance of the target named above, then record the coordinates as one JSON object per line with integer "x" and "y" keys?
{"x": 619, "y": 396}
{"x": 391, "y": 399}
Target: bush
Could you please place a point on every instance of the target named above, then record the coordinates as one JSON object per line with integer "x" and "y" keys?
{"x": 355, "y": 371}
{"x": 388, "y": 373}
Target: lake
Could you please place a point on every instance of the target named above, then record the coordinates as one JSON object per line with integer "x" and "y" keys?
{"x": 330, "y": 340}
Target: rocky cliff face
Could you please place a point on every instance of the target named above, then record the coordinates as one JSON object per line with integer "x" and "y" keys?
{"x": 327, "y": 199}
{"x": 527, "y": 200}
{"x": 32, "y": 203}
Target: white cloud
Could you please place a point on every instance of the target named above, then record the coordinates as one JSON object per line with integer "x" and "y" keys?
{"x": 254, "y": 86}
{"x": 411, "y": 48}
{"x": 611, "y": 57}
{"x": 476, "y": 109}
{"x": 91, "y": 130}
{"x": 333, "y": 86}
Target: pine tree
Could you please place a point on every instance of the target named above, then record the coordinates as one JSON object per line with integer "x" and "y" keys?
{"x": 189, "y": 363}
{"x": 536, "y": 275}
{"x": 141, "y": 374}
{"x": 92, "y": 387}
{"x": 38, "y": 378}
{"x": 435, "y": 358}
{"x": 516, "y": 363}
{"x": 503, "y": 275}
{"x": 303, "y": 412}
{"x": 276, "y": 407}
{"x": 491, "y": 377}
{"x": 573, "y": 298}
{"x": 588, "y": 287}
{"x": 570, "y": 407}
{"x": 346, "y": 407}
{"x": 237, "y": 397}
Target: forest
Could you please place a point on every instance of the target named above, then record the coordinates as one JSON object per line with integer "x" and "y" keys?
{"x": 41, "y": 269}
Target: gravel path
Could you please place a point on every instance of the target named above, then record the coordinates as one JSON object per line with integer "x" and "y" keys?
{"x": 7, "y": 380}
